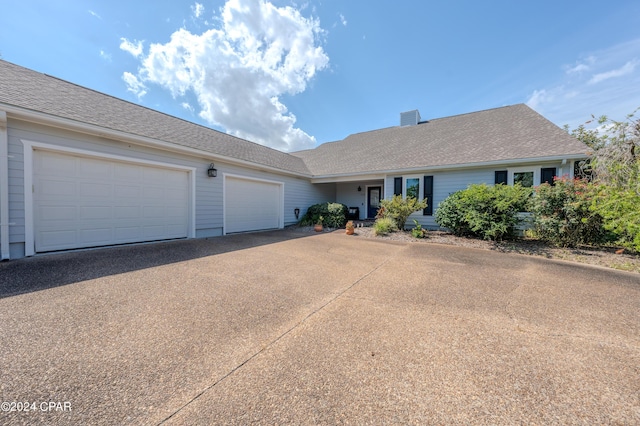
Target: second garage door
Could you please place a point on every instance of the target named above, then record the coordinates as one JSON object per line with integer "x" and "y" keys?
{"x": 252, "y": 205}
{"x": 91, "y": 201}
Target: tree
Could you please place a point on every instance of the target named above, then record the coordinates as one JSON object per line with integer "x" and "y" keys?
{"x": 616, "y": 150}
{"x": 615, "y": 167}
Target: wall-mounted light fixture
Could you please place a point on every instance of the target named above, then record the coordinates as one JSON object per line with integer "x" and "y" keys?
{"x": 212, "y": 171}
{"x": 359, "y": 188}
{"x": 297, "y": 212}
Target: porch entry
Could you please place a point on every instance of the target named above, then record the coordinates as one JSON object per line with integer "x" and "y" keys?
{"x": 373, "y": 200}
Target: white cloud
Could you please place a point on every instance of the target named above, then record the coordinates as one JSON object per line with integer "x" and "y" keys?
{"x": 135, "y": 47}
{"x": 627, "y": 68}
{"x": 239, "y": 71}
{"x": 197, "y": 9}
{"x": 134, "y": 85}
{"x": 94, "y": 14}
{"x": 187, "y": 106}
{"x": 606, "y": 82}
{"x": 581, "y": 66}
{"x": 343, "y": 19}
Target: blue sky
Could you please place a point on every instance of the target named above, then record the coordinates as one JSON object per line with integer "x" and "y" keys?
{"x": 291, "y": 75}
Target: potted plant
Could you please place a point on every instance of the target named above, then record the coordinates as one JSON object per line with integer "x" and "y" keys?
{"x": 350, "y": 227}
{"x": 318, "y": 226}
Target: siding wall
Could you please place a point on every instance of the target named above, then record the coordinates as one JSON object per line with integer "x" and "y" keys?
{"x": 448, "y": 182}
{"x": 347, "y": 193}
{"x": 299, "y": 192}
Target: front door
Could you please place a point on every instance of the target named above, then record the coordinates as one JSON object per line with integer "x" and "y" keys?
{"x": 373, "y": 203}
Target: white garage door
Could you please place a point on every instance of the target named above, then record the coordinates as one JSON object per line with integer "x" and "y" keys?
{"x": 251, "y": 205}
{"x": 89, "y": 202}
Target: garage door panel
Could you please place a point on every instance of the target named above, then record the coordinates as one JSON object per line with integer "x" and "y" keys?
{"x": 96, "y": 212}
{"x": 126, "y": 191}
{"x": 51, "y": 238}
{"x": 55, "y": 165}
{"x": 89, "y": 203}
{"x": 96, "y": 236}
{"x": 57, "y": 213}
{"x": 94, "y": 190}
{"x": 96, "y": 168}
{"x": 126, "y": 212}
{"x": 57, "y": 187}
{"x": 126, "y": 173}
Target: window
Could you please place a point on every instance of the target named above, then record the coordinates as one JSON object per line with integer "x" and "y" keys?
{"x": 523, "y": 178}
{"x": 428, "y": 195}
{"x": 397, "y": 186}
{"x": 413, "y": 187}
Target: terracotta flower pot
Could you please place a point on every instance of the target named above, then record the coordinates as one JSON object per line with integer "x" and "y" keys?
{"x": 317, "y": 228}
{"x": 350, "y": 231}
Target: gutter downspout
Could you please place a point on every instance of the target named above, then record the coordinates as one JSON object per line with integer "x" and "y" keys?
{"x": 4, "y": 188}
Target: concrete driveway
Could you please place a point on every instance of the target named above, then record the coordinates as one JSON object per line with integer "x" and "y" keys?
{"x": 286, "y": 327}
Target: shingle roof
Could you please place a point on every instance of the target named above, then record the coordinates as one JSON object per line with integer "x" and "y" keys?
{"x": 508, "y": 133}
{"x": 31, "y": 90}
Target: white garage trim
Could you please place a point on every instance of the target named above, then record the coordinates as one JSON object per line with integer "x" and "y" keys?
{"x": 280, "y": 185}
{"x": 30, "y": 146}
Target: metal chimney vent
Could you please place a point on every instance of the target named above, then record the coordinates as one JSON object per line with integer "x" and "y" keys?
{"x": 409, "y": 118}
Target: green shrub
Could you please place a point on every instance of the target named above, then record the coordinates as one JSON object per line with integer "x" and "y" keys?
{"x": 488, "y": 212}
{"x": 334, "y": 215}
{"x": 562, "y": 213}
{"x": 620, "y": 212}
{"x": 418, "y": 231}
{"x": 384, "y": 225}
{"x": 399, "y": 209}
{"x": 450, "y": 214}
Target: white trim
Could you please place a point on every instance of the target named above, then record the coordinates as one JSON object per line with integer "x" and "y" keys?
{"x": 405, "y": 186}
{"x": 249, "y": 178}
{"x": 534, "y": 168}
{"x": 31, "y": 146}
{"x": 4, "y": 188}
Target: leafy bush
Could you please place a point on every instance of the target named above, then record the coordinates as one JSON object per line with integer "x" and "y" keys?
{"x": 399, "y": 209}
{"x": 562, "y": 213}
{"x": 620, "y": 211}
{"x": 488, "y": 212}
{"x": 384, "y": 225}
{"x": 418, "y": 231}
{"x": 334, "y": 215}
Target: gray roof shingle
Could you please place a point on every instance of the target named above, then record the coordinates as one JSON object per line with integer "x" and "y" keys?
{"x": 508, "y": 133}
{"x": 501, "y": 134}
{"x": 31, "y": 90}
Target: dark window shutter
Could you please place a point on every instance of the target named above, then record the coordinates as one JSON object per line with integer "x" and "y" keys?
{"x": 547, "y": 174}
{"x": 397, "y": 186}
{"x": 428, "y": 195}
{"x": 501, "y": 177}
